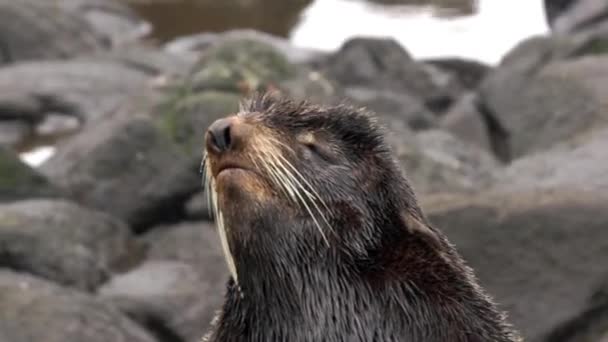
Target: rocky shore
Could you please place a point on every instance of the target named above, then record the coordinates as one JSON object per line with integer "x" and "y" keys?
{"x": 110, "y": 240}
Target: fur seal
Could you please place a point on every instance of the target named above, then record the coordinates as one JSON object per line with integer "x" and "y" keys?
{"x": 325, "y": 239}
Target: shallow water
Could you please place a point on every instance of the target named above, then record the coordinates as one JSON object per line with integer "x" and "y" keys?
{"x": 483, "y": 30}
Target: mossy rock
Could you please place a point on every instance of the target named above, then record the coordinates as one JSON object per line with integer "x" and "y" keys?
{"x": 185, "y": 116}
{"x": 19, "y": 181}
{"x": 241, "y": 65}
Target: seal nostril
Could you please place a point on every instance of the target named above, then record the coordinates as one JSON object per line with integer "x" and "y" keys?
{"x": 220, "y": 135}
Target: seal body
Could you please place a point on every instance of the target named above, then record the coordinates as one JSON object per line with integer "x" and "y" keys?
{"x": 325, "y": 239}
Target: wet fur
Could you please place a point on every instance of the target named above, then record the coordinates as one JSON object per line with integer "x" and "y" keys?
{"x": 387, "y": 275}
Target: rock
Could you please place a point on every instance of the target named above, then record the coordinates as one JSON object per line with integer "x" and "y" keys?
{"x": 13, "y": 132}
{"x": 197, "y": 207}
{"x": 19, "y": 181}
{"x": 540, "y": 253}
{"x": 466, "y": 122}
{"x": 241, "y": 66}
{"x": 63, "y": 242}
{"x": 393, "y": 107}
{"x": 383, "y": 65}
{"x": 591, "y": 325}
{"x": 40, "y": 30}
{"x": 170, "y": 298}
{"x": 436, "y": 162}
{"x": 567, "y": 16}
{"x": 579, "y": 165}
{"x": 141, "y": 164}
{"x": 468, "y": 73}
{"x": 194, "y": 45}
{"x": 113, "y": 19}
{"x": 35, "y": 310}
{"x": 532, "y": 113}
{"x": 195, "y": 243}
{"x": 202, "y": 291}
{"x": 86, "y": 89}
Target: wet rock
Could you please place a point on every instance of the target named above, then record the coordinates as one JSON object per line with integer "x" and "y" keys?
{"x": 63, "y": 242}
{"x": 19, "y": 181}
{"x": 142, "y": 163}
{"x": 194, "y": 45}
{"x": 383, "y": 65}
{"x": 41, "y": 30}
{"x": 169, "y": 298}
{"x": 540, "y": 253}
{"x": 35, "y": 310}
{"x": 532, "y": 113}
{"x": 436, "y": 162}
{"x": 114, "y": 19}
{"x": 240, "y": 65}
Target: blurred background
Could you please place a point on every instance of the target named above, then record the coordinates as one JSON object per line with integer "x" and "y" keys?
{"x": 498, "y": 113}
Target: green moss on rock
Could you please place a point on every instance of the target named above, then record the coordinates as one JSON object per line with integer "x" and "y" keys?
{"x": 241, "y": 64}
{"x": 19, "y": 181}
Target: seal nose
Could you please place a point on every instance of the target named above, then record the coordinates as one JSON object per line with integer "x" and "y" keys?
{"x": 220, "y": 135}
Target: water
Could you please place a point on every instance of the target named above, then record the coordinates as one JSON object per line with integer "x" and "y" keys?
{"x": 483, "y": 30}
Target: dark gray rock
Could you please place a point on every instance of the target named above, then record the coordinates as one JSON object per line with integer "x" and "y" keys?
{"x": 87, "y": 89}
{"x": 197, "y": 208}
{"x": 170, "y": 298}
{"x": 19, "y": 181}
{"x": 141, "y": 164}
{"x": 13, "y": 132}
{"x": 35, "y": 310}
{"x": 467, "y": 73}
{"x": 196, "y": 244}
{"x": 466, "y": 122}
{"x": 63, "y": 242}
{"x": 532, "y": 113}
{"x": 41, "y": 30}
{"x": 194, "y": 302}
{"x": 393, "y": 107}
{"x": 112, "y": 18}
{"x": 436, "y": 162}
{"x": 578, "y": 165}
{"x": 383, "y": 65}
{"x": 541, "y": 254}
{"x": 567, "y": 16}
{"x": 591, "y": 325}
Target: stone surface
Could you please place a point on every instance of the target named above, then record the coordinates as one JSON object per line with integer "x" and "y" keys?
{"x": 541, "y": 254}
{"x": 436, "y": 162}
{"x": 63, "y": 242}
{"x": 532, "y": 113}
{"x": 41, "y": 30}
{"x": 35, "y": 310}
{"x": 140, "y": 165}
{"x": 382, "y": 64}
{"x": 170, "y": 298}
{"x": 465, "y": 121}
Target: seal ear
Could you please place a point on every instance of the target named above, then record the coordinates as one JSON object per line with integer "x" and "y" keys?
{"x": 416, "y": 226}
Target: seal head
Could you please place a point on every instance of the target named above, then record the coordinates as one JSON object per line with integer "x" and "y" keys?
{"x": 325, "y": 239}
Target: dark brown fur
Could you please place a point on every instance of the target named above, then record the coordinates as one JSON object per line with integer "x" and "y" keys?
{"x": 387, "y": 275}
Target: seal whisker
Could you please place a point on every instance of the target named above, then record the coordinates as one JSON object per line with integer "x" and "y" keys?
{"x": 298, "y": 185}
{"x": 314, "y": 196}
{"x": 219, "y": 221}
